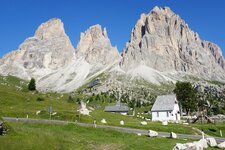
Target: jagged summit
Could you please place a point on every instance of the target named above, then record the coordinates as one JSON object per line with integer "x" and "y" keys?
{"x": 95, "y": 46}
{"x": 50, "y": 29}
{"x": 49, "y": 49}
{"x": 163, "y": 41}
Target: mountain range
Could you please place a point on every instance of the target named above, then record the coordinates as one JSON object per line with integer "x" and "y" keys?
{"x": 162, "y": 49}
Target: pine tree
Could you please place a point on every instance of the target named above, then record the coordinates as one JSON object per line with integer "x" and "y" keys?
{"x": 32, "y": 85}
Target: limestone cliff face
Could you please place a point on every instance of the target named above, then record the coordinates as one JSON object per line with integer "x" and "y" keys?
{"x": 50, "y": 58}
{"x": 163, "y": 41}
{"x": 49, "y": 49}
{"x": 96, "y": 48}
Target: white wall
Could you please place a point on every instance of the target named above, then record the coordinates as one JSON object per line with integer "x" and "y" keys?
{"x": 173, "y": 116}
{"x": 160, "y": 116}
{"x": 175, "y": 111}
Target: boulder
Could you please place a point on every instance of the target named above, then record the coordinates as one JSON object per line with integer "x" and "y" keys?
{"x": 173, "y": 135}
{"x": 188, "y": 146}
{"x": 197, "y": 146}
{"x": 179, "y": 146}
{"x": 53, "y": 114}
{"x": 211, "y": 142}
{"x": 103, "y": 121}
{"x": 122, "y": 122}
{"x": 152, "y": 133}
{"x": 38, "y": 112}
{"x": 221, "y": 145}
{"x": 83, "y": 109}
{"x": 144, "y": 123}
{"x": 185, "y": 123}
{"x": 203, "y": 143}
{"x": 165, "y": 123}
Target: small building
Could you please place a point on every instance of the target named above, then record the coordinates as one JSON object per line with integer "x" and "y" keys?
{"x": 165, "y": 108}
{"x": 94, "y": 83}
{"x": 121, "y": 108}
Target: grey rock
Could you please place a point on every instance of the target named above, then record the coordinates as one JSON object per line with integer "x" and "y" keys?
{"x": 221, "y": 145}
{"x": 96, "y": 48}
{"x": 173, "y": 135}
{"x": 152, "y": 133}
{"x": 163, "y": 41}
{"x": 49, "y": 49}
{"x": 188, "y": 146}
{"x": 203, "y": 143}
{"x": 211, "y": 142}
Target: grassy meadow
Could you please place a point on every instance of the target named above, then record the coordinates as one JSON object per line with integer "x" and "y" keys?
{"x": 17, "y": 101}
{"x": 59, "y": 137}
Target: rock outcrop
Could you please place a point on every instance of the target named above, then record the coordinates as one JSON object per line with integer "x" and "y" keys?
{"x": 49, "y": 50}
{"x": 163, "y": 41}
{"x": 96, "y": 48}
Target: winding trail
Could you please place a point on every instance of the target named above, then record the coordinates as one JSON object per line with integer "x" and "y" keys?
{"x": 122, "y": 129}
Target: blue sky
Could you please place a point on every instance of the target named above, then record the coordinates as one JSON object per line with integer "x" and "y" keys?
{"x": 20, "y": 18}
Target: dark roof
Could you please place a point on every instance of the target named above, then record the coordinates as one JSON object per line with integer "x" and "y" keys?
{"x": 94, "y": 83}
{"x": 119, "y": 107}
{"x": 164, "y": 102}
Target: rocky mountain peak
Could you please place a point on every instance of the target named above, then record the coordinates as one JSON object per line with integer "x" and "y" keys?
{"x": 96, "y": 32}
{"x": 95, "y": 46}
{"x": 49, "y": 49}
{"x": 52, "y": 28}
{"x": 163, "y": 41}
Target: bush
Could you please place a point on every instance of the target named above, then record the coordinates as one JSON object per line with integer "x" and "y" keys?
{"x": 32, "y": 85}
{"x": 40, "y": 99}
{"x": 70, "y": 99}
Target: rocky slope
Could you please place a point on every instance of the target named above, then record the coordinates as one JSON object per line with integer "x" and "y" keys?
{"x": 94, "y": 55}
{"x": 161, "y": 40}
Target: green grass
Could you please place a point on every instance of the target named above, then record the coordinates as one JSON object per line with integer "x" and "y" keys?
{"x": 19, "y": 103}
{"x": 210, "y": 129}
{"x": 42, "y": 136}
{"x": 15, "y": 102}
{"x": 133, "y": 122}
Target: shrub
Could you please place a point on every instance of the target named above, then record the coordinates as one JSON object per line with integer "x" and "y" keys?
{"x": 70, "y": 99}
{"x": 32, "y": 85}
{"x": 40, "y": 99}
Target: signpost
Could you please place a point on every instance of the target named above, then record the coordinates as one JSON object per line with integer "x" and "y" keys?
{"x": 50, "y": 111}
